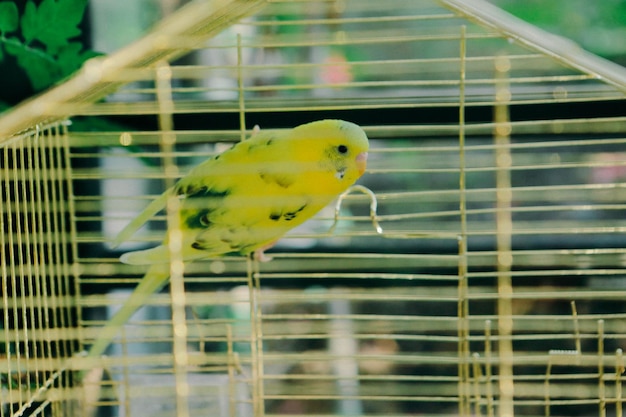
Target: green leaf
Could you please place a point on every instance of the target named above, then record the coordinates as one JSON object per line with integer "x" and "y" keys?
{"x": 39, "y": 70}
{"x": 30, "y": 22}
{"x": 9, "y": 17}
{"x": 44, "y": 50}
{"x": 38, "y": 66}
{"x": 13, "y": 45}
{"x": 53, "y": 23}
{"x": 71, "y": 57}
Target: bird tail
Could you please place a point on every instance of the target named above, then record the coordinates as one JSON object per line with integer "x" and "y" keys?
{"x": 152, "y": 282}
{"x": 151, "y": 209}
{"x": 157, "y": 255}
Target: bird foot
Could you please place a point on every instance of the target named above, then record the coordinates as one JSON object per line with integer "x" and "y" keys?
{"x": 260, "y": 255}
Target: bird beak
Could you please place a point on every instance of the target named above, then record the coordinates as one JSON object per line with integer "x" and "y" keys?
{"x": 361, "y": 162}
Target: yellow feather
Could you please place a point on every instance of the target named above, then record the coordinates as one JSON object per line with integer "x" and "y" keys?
{"x": 247, "y": 198}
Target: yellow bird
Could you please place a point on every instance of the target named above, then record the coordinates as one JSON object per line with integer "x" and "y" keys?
{"x": 245, "y": 199}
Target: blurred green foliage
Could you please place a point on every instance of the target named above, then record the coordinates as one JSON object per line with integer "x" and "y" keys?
{"x": 39, "y": 45}
{"x": 597, "y": 25}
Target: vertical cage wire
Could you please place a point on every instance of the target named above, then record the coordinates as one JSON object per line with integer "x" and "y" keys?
{"x": 37, "y": 271}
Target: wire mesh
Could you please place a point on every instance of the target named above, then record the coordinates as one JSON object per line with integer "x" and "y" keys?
{"x": 38, "y": 282}
{"x": 488, "y": 278}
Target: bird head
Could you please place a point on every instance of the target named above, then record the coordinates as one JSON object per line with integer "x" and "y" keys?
{"x": 339, "y": 147}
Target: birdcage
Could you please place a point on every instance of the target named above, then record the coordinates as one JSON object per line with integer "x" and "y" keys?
{"x": 478, "y": 269}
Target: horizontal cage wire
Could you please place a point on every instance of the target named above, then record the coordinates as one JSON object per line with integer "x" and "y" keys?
{"x": 477, "y": 269}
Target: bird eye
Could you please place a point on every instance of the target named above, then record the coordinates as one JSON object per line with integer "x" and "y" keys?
{"x": 342, "y": 149}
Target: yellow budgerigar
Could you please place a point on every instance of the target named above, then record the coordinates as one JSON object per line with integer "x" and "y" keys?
{"x": 245, "y": 199}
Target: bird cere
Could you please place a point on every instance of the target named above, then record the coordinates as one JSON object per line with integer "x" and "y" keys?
{"x": 245, "y": 199}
